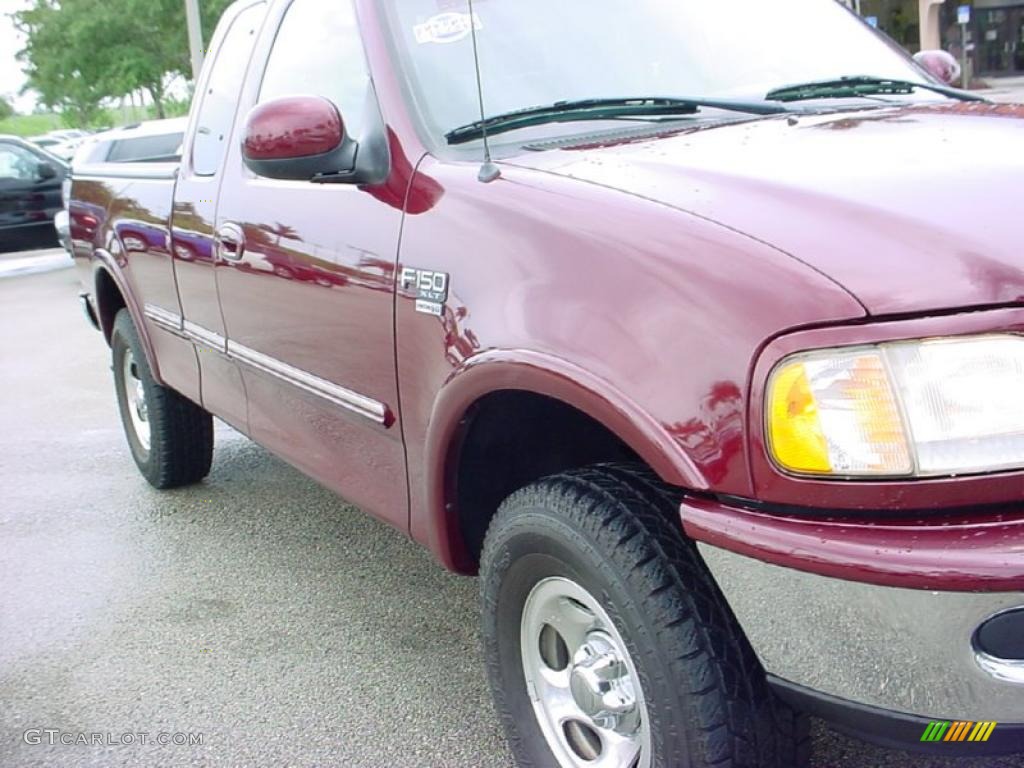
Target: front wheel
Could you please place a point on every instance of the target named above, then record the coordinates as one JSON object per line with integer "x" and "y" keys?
{"x": 609, "y": 645}
{"x": 170, "y": 437}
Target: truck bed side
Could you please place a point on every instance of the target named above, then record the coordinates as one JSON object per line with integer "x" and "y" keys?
{"x": 120, "y": 228}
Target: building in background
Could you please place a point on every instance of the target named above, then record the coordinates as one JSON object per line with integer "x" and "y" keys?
{"x": 995, "y": 36}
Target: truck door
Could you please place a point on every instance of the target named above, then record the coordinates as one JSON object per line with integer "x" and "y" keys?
{"x": 307, "y": 286}
{"x": 195, "y": 198}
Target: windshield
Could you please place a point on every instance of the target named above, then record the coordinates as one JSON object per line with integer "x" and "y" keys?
{"x": 536, "y": 52}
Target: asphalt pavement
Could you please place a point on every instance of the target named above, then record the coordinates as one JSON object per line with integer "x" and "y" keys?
{"x": 257, "y": 611}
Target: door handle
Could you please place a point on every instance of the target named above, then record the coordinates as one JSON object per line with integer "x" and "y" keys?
{"x": 230, "y": 242}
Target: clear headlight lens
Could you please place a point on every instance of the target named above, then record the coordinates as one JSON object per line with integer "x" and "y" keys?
{"x": 932, "y": 407}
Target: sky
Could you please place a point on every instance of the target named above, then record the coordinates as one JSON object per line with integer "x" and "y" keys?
{"x": 11, "y": 78}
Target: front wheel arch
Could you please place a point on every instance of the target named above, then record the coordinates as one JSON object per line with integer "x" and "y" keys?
{"x": 544, "y": 376}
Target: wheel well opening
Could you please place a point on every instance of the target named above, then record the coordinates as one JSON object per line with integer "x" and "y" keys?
{"x": 109, "y": 302}
{"x": 513, "y": 438}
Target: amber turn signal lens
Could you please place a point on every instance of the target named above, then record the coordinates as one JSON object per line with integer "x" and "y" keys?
{"x": 796, "y": 436}
{"x": 835, "y": 414}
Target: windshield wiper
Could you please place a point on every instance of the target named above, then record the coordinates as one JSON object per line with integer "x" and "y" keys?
{"x": 861, "y": 85}
{"x": 601, "y": 109}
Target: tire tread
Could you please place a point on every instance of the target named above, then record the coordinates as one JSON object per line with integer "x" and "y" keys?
{"x": 627, "y": 510}
{"x": 181, "y": 432}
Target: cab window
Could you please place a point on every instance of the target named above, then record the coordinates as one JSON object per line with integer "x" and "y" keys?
{"x": 217, "y": 112}
{"x": 318, "y": 52}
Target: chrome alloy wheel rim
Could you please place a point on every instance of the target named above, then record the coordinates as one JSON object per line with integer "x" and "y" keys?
{"x": 135, "y": 399}
{"x": 581, "y": 680}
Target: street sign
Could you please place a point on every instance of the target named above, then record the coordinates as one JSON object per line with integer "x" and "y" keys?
{"x": 872, "y": 20}
{"x": 963, "y": 16}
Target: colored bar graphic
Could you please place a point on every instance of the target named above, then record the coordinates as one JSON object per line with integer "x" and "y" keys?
{"x": 983, "y": 731}
{"x": 958, "y": 731}
{"x": 935, "y": 730}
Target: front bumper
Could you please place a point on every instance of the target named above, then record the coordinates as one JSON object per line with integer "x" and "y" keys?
{"x": 851, "y": 641}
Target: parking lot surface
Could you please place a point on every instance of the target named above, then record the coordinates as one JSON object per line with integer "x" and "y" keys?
{"x": 257, "y": 610}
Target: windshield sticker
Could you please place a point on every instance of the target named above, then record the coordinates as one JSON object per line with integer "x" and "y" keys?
{"x": 446, "y": 28}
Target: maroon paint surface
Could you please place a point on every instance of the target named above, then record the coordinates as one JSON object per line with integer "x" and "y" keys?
{"x": 976, "y": 553}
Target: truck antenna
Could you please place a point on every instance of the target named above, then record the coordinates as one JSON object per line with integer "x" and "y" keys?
{"x": 488, "y": 171}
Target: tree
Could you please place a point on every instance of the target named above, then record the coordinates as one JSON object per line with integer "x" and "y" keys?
{"x": 82, "y": 52}
{"x": 6, "y": 110}
{"x": 53, "y": 65}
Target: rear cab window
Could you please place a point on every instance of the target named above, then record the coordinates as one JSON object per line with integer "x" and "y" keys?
{"x": 217, "y": 111}
{"x": 146, "y": 149}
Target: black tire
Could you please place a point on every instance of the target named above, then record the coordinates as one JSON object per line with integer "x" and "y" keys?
{"x": 180, "y": 449}
{"x": 614, "y": 530}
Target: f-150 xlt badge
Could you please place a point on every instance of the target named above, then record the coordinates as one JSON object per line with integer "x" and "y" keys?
{"x": 431, "y": 289}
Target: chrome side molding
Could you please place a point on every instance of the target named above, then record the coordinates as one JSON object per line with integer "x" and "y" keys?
{"x": 364, "y": 406}
{"x": 205, "y": 337}
{"x": 169, "y": 321}
{"x": 353, "y": 401}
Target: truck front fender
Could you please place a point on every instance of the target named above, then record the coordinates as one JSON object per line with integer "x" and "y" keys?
{"x": 540, "y": 374}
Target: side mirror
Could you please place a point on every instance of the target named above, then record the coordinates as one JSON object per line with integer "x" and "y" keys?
{"x": 299, "y": 138}
{"x": 941, "y": 65}
{"x": 45, "y": 171}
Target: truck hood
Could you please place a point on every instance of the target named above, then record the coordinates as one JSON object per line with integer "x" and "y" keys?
{"x": 911, "y": 209}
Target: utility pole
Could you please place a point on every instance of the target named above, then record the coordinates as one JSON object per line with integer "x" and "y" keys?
{"x": 195, "y": 36}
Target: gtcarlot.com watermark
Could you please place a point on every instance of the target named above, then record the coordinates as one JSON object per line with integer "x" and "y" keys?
{"x": 56, "y": 737}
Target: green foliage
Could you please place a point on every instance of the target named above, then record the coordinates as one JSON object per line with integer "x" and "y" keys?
{"x": 30, "y": 125}
{"x": 44, "y": 122}
{"x": 6, "y": 110}
{"x": 82, "y": 52}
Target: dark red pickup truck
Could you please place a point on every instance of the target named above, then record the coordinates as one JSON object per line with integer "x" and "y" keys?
{"x": 705, "y": 351}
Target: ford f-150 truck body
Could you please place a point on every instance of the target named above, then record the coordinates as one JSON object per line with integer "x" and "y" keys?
{"x": 710, "y": 365}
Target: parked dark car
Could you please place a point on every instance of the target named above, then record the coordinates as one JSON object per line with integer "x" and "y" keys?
{"x": 30, "y": 197}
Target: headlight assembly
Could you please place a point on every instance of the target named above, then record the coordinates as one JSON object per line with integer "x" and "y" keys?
{"x": 921, "y": 408}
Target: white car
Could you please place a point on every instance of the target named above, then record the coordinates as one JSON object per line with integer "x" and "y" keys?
{"x": 155, "y": 141}
{"x": 62, "y": 143}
